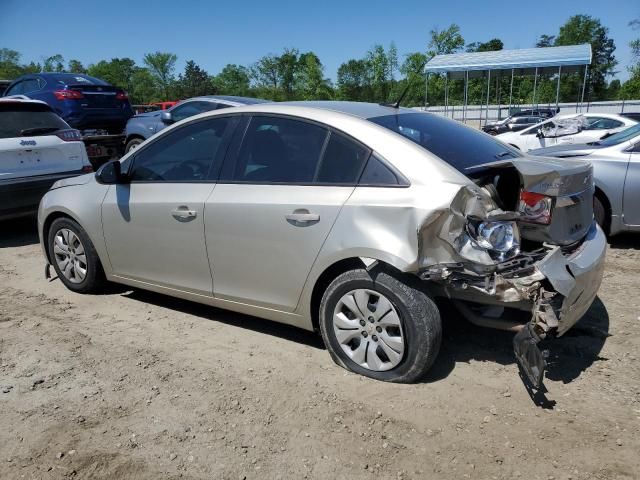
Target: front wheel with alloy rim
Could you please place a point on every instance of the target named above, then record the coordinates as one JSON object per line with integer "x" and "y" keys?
{"x": 375, "y": 324}
{"x": 74, "y": 257}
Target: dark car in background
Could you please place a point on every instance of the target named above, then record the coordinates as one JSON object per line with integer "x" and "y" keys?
{"x": 84, "y": 102}
{"x": 142, "y": 126}
{"x": 512, "y": 124}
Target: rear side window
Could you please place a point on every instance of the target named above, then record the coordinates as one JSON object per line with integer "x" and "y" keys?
{"x": 186, "y": 154}
{"x": 279, "y": 150}
{"x": 461, "y": 147}
{"x": 342, "y": 161}
{"x": 24, "y": 119}
{"x": 377, "y": 174}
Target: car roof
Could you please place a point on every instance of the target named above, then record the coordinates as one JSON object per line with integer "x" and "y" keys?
{"x": 229, "y": 98}
{"x": 357, "y": 109}
{"x": 589, "y": 114}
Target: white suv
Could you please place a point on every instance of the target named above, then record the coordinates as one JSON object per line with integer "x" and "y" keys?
{"x": 37, "y": 148}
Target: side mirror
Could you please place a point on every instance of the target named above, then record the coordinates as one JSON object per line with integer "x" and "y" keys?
{"x": 110, "y": 173}
{"x": 540, "y": 134}
{"x": 165, "y": 117}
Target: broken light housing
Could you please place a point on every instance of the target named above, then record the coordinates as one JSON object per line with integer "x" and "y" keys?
{"x": 501, "y": 239}
{"x": 535, "y": 207}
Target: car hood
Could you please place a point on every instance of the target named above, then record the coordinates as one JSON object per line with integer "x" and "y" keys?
{"x": 155, "y": 113}
{"x": 69, "y": 182}
{"x": 578, "y": 150}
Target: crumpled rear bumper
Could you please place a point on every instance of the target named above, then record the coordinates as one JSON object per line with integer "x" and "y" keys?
{"x": 577, "y": 277}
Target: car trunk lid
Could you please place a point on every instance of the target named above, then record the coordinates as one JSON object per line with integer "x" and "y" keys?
{"x": 99, "y": 96}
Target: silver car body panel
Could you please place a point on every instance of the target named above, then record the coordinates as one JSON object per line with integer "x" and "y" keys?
{"x": 271, "y": 271}
{"x": 616, "y": 172}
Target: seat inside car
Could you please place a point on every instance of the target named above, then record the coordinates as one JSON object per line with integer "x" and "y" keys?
{"x": 268, "y": 158}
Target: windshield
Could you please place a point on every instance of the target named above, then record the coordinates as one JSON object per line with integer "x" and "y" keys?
{"x": 620, "y": 137}
{"x": 461, "y": 147}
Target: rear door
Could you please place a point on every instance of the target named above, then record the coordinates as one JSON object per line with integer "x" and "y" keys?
{"x": 154, "y": 225}
{"x": 274, "y": 205}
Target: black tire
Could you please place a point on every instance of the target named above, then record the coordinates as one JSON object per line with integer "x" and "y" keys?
{"x": 419, "y": 317}
{"x": 94, "y": 279}
{"x": 133, "y": 143}
{"x": 601, "y": 214}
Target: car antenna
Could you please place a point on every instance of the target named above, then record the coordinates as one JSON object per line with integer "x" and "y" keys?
{"x": 406, "y": 89}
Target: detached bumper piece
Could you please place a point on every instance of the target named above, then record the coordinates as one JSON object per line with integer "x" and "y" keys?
{"x": 531, "y": 360}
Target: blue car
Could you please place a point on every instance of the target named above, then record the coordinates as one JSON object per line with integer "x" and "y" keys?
{"x": 143, "y": 125}
{"x": 82, "y": 101}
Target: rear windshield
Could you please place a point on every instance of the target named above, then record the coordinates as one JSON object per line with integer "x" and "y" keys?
{"x": 19, "y": 120}
{"x": 77, "y": 80}
{"x": 461, "y": 147}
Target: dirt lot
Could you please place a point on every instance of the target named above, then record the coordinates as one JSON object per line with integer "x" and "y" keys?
{"x": 137, "y": 385}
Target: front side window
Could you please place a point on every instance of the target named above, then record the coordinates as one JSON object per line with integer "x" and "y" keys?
{"x": 279, "y": 150}
{"x": 534, "y": 130}
{"x": 461, "y": 147}
{"x": 186, "y": 154}
{"x": 623, "y": 136}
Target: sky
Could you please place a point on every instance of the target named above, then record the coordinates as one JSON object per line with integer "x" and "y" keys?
{"x": 214, "y": 34}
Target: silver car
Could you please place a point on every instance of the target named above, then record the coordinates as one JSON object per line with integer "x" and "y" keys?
{"x": 616, "y": 170}
{"x": 346, "y": 218}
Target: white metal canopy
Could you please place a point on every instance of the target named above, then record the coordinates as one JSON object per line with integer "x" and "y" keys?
{"x": 526, "y": 58}
{"x": 527, "y": 61}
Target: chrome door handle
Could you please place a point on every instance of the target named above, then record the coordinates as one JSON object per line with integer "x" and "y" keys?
{"x": 302, "y": 217}
{"x": 183, "y": 213}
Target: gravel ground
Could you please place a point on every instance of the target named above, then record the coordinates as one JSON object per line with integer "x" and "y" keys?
{"x": 131, "y": 384}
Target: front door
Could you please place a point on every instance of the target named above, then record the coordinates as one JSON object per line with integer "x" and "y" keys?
{"x": 154, "y": 225}
{"x": 274, "y": 206}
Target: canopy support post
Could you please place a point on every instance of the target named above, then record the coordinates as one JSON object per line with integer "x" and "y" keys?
{"x": 510, "y": 94}
{"x": 535, "y": 85}
{"x": 584, "y": 84}
{"x": 486, "y": 113}
{"x": 426, "y": 92}
{"x": 558, "y": 87}
{"x": 464, "y": 110}
{"x": 446, "y": 94}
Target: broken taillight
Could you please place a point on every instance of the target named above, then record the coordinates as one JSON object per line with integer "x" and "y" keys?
{"x": 535, "y": 207}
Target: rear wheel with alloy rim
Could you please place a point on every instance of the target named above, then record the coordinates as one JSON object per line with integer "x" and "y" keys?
{"x": 379, "y": 325}
{"x": 74, "y": 257}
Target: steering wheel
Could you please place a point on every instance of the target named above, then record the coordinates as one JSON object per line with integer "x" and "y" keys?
{"x": 197, "y": 168}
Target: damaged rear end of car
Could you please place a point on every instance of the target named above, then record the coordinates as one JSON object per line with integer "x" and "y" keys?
{"x": 517, "y": 248}
{"x": 527, "y": 255}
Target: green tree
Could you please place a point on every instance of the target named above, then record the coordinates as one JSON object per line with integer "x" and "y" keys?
{"x": 54, "y": 63}
{"x": 233, "y": 80}
{"x": 444, "y": 42}
{"x": 354, "y": 82}
{"x": 545, "y": 41}
{"x": 287, "y": 68}
{"x": 142, "y": 87}
{"x": 490, "y": 46}
{"x": 311, "y": 83}
{"x": 10, "y": 67}
{"x": 266, "y": 73}
{"x": 587, "y": 29}
{"x": 75, "y": 66}
{"x": 194, "y": 82}
{"x": 117, "y": 71}
{"x": 413, "y": 70}
{"x": 381, "y": 64}
{"x": 162, "y": 66}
